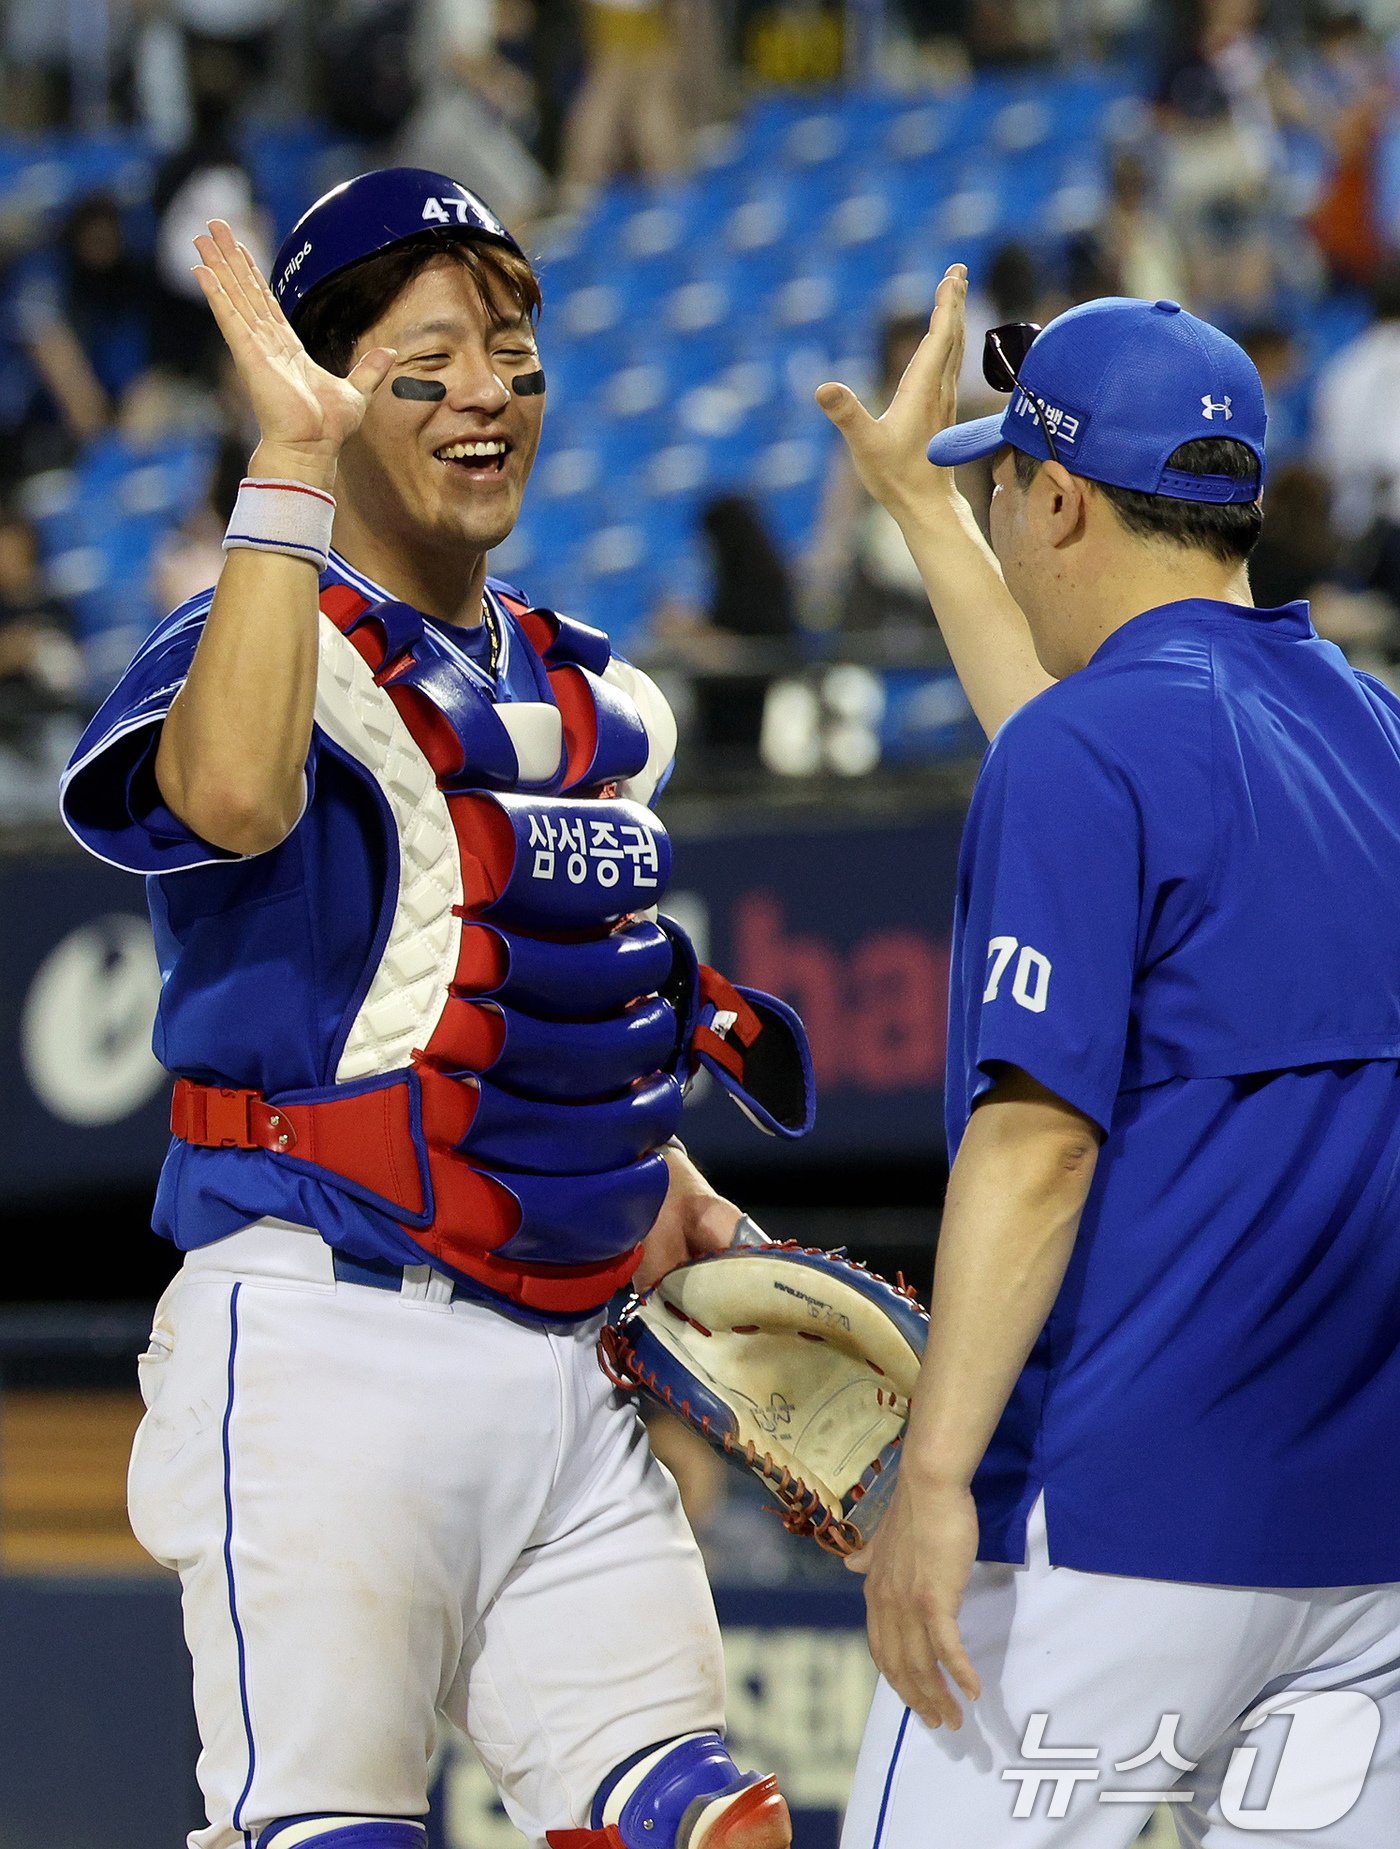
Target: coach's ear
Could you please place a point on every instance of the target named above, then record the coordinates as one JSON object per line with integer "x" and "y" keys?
{"x": 1064, "y": 503}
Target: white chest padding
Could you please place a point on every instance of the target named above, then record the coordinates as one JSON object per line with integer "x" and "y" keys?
{"x": 409, "y": 989}
{"x": 660, "y": 723}
{"x": 536, "y": 733}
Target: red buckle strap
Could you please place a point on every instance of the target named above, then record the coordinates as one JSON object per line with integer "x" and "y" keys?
{"x": 745, "y": 1028}
{"x": 366, "y": 1137}
{"x": 223, "y": 1117}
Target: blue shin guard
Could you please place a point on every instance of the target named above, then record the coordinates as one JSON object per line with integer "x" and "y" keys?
{"x": 668, "y": 1796}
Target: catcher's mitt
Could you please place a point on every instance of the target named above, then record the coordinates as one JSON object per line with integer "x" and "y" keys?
{"x": 796, "y": 1363}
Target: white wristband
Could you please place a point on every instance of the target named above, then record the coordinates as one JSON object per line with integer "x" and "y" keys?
{"x": 282, "y": 516}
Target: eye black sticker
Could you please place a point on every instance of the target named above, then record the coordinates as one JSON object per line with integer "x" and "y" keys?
{"x": 427, "y": 389}
{"x": 527, "y": 385}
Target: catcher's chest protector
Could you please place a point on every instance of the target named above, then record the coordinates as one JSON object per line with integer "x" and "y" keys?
{"x": 511, "y": 1068}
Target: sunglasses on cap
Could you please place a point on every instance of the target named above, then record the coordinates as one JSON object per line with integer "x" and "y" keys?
{"x": 1003, "y": 354}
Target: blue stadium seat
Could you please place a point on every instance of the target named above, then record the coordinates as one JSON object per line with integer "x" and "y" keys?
{"x": 660, "y": 227}
{"x": 818, "y": 140}
{"x": 923, "y": 130}
{"x": 577, "y": 372}
{"x": 619, "y": 549}
{"x": 672, "y": 489}
{"x": 808, "y": 301}
{"x": 599, "y": 225}
{"x": 768, "y": 123}
{"x": 1023, "y": 125}
{"x": 695, "y": 327}
{"x": 107, "y": 585}
{"x": 926, "y": 717}
{"x": 634, "y": 392}
{"x": 80, "y": 574}
{"x": 47, "y": 174}
{"x": 619, "y": 603}
{"x": 1085, "y": 105}
{"x": 591, "y": 313}
{"x": 516, "y": 556}
{"x": 290, "y": 163}
{"x": 749, "y": 279}
{"x": 648, "y": 284}
{"x": 51, "y": 502}
{"x": 568, "y": 475}
{"x": 1331, "y": 324}
{"x": 788, "y": 478}
{"x": 865, "y": 215}
{"x": 753, "y": 228}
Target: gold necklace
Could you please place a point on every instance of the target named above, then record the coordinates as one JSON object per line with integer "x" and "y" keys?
{"x": 493, "y": 631}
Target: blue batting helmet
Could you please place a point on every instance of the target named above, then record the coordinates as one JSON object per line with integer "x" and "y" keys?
{"x": 363, "y": 216}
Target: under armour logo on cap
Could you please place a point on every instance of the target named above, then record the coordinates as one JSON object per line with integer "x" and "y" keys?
{"x": 1142, "y": 369}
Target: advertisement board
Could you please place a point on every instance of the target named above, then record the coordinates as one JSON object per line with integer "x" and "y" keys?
{"x": 849, "y": 922}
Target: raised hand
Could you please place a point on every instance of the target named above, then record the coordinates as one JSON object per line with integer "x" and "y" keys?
{"x": 303, "y": 411}
{"x": 889, "y": 453}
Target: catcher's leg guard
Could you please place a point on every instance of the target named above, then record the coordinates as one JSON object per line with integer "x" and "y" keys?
{"x": 684, "y": 1794}
{"x": 332, "y": 1832}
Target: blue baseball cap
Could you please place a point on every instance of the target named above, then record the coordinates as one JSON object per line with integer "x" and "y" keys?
{"x": 363, "y": 216}
{"x": 1123, "y": 383}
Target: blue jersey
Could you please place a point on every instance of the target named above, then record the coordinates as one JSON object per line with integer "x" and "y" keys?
{"x": 1178, "y": 908}
{"x": 325, "y": 960}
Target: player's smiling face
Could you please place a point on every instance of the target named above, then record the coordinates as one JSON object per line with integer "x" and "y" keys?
{"x": 452, "y": 470}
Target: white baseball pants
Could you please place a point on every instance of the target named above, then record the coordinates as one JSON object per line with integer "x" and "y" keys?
{"x": 1102, "y": 1696}
{"x": 388, "y": 1509}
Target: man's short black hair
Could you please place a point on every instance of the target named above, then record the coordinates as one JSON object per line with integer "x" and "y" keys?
{"x": 1228, "y": 533}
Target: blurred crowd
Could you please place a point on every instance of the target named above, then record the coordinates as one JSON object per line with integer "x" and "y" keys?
{"x": 1256, "y": 178}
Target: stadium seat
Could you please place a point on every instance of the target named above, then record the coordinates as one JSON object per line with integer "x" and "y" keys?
{"x": 817, "y": 140}
{"x": 921, "y": 131}
{"x": 591, "y": 312}
{"x": 788, "y": 478}
{"x": 926, "y": 716}
{"x": 1025, "y": 124}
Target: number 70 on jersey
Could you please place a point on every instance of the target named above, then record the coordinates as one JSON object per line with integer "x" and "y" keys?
{"x": 1030, "y": 980}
